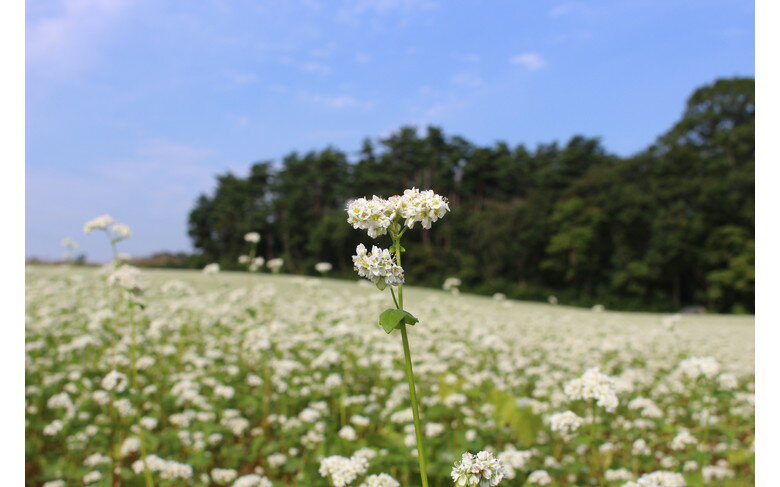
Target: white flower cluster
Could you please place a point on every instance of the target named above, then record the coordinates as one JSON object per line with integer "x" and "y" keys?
{"x": 212, "y": 268}
{"x": 275, "y": 265}
{"x": 126, "y": 277}
{"x": 659, "y": 478}
{"x": 343, "y": 471}
{"x": 480, "y": 470}
{"x": 565, "y": 423}
{"x": 100, "y": 223}
{"x": 593, "y": 385}
{"x": 696, "y": 367}
{"x": 375, "y": 215}
{"x": 381, "y": 480}
{"x": 252, "y": 480}
{"x": 168, "y": 469}
{"x": 252, "y": 237}
{"x": 121, "y": 231}
{"x": 323, "y": 267}
{"x": 377, "y": 266}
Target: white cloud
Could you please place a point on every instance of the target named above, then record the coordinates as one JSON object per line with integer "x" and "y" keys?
{"x": 353, "y": 12}
{"x": 531, "y": 60}
{"x": 71, "y": 39}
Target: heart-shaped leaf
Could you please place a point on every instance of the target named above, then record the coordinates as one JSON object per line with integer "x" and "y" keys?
{"x": 390, "y": 319}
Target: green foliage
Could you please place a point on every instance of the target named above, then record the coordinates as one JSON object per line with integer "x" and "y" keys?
{"x": 390, "y": 319}
{"x": 668, "y": 227}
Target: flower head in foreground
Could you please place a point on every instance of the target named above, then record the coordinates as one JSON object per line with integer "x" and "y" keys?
{"x": 375, "y": 215}
{"x": 100, "y": 223}
{"x": 343, "y": 471}
{"x": 378, "y": 266}
{"x": 252, "y": 237}
{"x": 480, "y": 470}
{"x": 212, "y": 268}
{"x": 593, "y": 385}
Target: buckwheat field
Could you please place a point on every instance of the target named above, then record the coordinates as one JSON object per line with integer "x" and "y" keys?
{"x": 258, "y": 380}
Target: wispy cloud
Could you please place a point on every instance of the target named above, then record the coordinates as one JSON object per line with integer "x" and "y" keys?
{"x": 71, "y": 39}
{"x": 530, "y": 60}
{"x": 354, "y": 12}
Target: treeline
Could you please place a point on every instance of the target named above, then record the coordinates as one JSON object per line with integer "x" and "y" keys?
{"x": 670, "y": 227}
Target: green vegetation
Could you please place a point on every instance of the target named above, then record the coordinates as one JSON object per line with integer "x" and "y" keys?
{"x": 669, "y": 227}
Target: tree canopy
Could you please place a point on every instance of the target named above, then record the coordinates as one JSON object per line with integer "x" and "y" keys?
{"x": 668, "y": 227}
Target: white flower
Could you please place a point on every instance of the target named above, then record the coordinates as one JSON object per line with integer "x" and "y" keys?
{"x": 122, "y": 231}
{"x": 378, "y": 266}
{"x": 451, "y": 283}
{"x": 275, "y": 265}
{"x": 212, "y": 268}
{"x": 482, "y": 469}
{"x": 661, "y": 478}
{"x": 69, "y": 243}
{"x": 425, "y": 207}
{"x": 114, "y": 381}
{"x": 223, "y": 475}
{"x": 252, "y": 237}
{"x": 126, "y": 277}
{"x": 682, "y": 440}
{"x": 381, "y": 480}
{"x": 566, "y": 422}
{"x": 323, "y": 267}
{"x": 256, "y": 264}
{"x": 343, "y": 471}
{"x": 593, "y": 385}
{"x": 92, "y": 477}
{"x": 243, "y": 259}
{"x": 375, "y": 215}
{"x": 348, "y": 433}
{"x": 100, "y": 223}
{"x": 252, "y": 480}
{"x": 539, "y": 477}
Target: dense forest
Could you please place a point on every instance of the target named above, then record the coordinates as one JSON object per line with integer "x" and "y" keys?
{"x": 669, "y": 227}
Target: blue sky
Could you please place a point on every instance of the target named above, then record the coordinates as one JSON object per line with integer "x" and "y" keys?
{"x": 134, "y": 106}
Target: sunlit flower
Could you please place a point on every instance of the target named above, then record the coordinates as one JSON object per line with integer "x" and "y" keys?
{"x": 100, "y": 223}
{"x": 481, "y": 470}
{"x": 378, "y": 266}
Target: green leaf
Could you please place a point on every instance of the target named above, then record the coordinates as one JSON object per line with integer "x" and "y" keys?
{"x": 390, "y": 319}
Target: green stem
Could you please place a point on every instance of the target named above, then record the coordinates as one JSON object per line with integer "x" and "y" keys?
{"x": 134, "y": 372}
{"x": 415, "y": 413}
{"x": 594, "y": 448}
{"x": 410, "y": 374}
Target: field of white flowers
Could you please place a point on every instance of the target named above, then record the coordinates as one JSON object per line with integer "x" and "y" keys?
{"x": 257, "y": 380}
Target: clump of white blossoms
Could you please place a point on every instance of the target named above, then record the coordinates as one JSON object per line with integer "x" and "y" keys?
{"x": 451, "y": 284}
{"x": 117, "y": 233}
{"x": 343, "y": 471}
{"x": 378, "y": 266}
{"x": 593, "y": 385}
{"x": 659, "y": 478}
{"x": 212, "y": 268}
{"x": 376, "y": 215}
{"x": 275, "y": 265}
{"x": 252, "y": 237}
{"x": 70, "y": 245}
{"x": 480, "y": 470}
{"x": 99, "y": 223}
{"x": 126, "y": 277}
{"x": 565, "y": 423}
{"x": 323, "y": 267}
